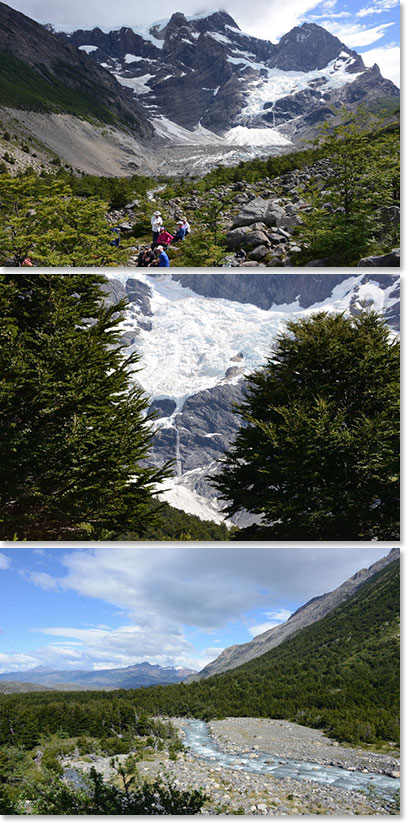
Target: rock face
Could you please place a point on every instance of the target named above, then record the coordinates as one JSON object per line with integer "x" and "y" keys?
{"x": 311, "y": 612}
{"x": 203, "y": 73}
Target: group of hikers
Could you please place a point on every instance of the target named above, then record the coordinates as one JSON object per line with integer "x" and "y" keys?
{"x": 156, "y": 253}
{"x": 163, "y": 237}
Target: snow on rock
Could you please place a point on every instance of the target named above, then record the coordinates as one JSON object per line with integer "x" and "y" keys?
{"x": 243, "y": 136}
{"x": 193, "y": 337}
{"x": 138, "y": 84}
{"x": 172, "y": 131}
{"x": 185, "y": 499}
{"x": 278, "y": 83}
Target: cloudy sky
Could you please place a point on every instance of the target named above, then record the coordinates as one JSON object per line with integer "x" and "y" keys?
{"x": 106, "y": 607}
{"x": 371, "y": 27}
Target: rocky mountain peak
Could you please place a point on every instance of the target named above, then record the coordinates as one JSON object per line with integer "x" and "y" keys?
{"x": 309, "y": 47}
{"x": 215, "y": 21}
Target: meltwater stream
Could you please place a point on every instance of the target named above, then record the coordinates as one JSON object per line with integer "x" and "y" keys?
{"x": 200, "y": 743}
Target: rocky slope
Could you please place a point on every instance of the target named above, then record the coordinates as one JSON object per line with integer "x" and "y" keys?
{"x": 311, "y": 612}
{"x": 57, "y": 96}
{"x": 199, "y": 335}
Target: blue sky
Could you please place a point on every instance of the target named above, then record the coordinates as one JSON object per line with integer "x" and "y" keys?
{"x": 106, "y": 607}
{"x": 371, "y": 27}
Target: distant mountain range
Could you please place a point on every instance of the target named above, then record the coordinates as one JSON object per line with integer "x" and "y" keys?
{"x": 134, "y": 676}
{"x": 114, "y": 102}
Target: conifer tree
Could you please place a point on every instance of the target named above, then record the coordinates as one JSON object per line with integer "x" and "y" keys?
{"x": 72, "y": 431}
{"x": 317, "y": 454}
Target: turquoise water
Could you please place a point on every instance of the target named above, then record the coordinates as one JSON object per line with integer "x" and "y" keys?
{"x": 200, "y": 743}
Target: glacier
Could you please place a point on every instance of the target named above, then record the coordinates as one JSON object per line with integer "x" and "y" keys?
{"x": 195, "y": 339}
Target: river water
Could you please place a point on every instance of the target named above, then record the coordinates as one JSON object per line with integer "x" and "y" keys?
{"x": 200, "y": 743}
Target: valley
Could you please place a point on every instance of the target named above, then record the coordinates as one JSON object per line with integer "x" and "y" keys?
{"x": 307, "y": 727}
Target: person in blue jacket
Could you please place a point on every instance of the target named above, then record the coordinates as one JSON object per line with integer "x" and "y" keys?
{"x": 163, "y": 260}
{"x": 181, "y": 232}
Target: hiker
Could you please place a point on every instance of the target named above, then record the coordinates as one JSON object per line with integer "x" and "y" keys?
{"x": 116, "y": 241}
{"x": 181, "y": 231}
{"x": 163, "y": 260}
{"x": 186, "y": 225}
{"x": 164, "y": 237}
{"x": 146, "y": 258}
{"x": 156, "y": 226}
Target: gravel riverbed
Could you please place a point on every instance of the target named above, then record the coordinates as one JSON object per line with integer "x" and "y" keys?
{"x": 234, "y": 792}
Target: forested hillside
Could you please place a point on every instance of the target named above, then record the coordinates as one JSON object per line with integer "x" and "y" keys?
{"x": 341, "y": 674}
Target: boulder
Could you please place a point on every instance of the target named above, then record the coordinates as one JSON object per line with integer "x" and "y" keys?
{"x": 254, "y": 211}
{"x": 274, "y": 214}
{"x": 259, "y": 252}
{"x": 289, "y": 222}
{"x": 391, "y": 260}
{"x": 237, "y": 237}
{"x": 254, "y": 238}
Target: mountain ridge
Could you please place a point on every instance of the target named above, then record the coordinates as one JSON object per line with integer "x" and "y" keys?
{"x": 308, "y": 614}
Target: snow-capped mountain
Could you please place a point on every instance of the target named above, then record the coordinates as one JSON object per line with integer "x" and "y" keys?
{"x": 203, "y": 75}
{"x": 199, "y": 335}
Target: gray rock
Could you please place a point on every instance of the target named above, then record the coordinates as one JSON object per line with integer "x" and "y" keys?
{"x": 391, "y": 260}
{"x": 236, "y": 237}
{"x": 255, "y": 238}
{"x": 259, "y": 252}
{"x": 253, "y": 212}
{"x": 274, "y": 214}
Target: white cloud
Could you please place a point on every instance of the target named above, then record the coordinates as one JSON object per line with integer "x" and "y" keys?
{"x": 262, "y": 18}
{"x": 388, "y": 60}
{"x": 163, "y": 592}
{"x": 42, "y": 579}
{"x": 5, "y": 562}
{"x": 378, "y": 7}
{"x": 355, "y": 35}
{"x": 273, "y": 618}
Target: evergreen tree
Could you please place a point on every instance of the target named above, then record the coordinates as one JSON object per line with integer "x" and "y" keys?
{"x": 72, "y": 431}
{"x": 348, "y": 217}
{"x": 317, "y": 455}
{"x": 43, "y": 220}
